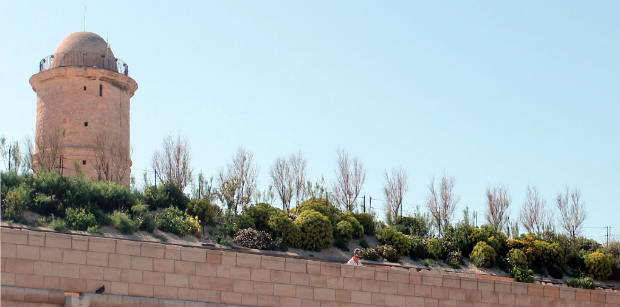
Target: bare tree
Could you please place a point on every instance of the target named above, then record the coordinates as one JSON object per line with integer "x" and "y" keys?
{"x": 172, "y": 164}
{"x": 534, "y": 215}
{"x": 442, "y": 203}
{"x": 112, "y": 158}
{"x": 11, "y": 154}
{"x": 573, "y": 214}
{"x": 49, "y": 148}
{"x": 299, "y": 164}
{"x": 498, "y": 202}
{"x": 350, "y": 177}
{"x": 395, "y": 187}
{"x": 238, "y": 181}
{"x": 282, "y": 180}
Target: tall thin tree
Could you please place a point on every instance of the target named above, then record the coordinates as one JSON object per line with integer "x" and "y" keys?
{"x": 394, "y": 189}
{"x": 350, "y": 178}
{"x": 572, "y": 212}
{"x": 442, "y": 202}
{"x": 498, "y": 203}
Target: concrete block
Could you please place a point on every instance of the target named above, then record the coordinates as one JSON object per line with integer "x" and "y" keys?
{"x": 263, "y": 288}
{"x": 432, "y": 280}
{"x": 229, "y": 258}
{"x": 318, "y": 281}
{"x": 36, "y": 295}
{"x": 142, "y": 263}
{"x": 42, "y": 268}
{"x": 131, "y": 276}
{"x": 243, "y": 286}
{"x": 381, "y": 274}
{"x": 361, "y": 297}
{"x": 112, "y": 274}
{"x": 165, "y": 292}
{"x": 172, "y": 252}
{"x": 324, "y": 294}
{"x": 199, "y": 282}
{"x": 104, "y": 245}
{"x": 206, "y": 269}
{"x": 248, "y": 299}
{"x": 176, "y": 280}
{"x": 489, "y": 297}
{"x": 154, "y": 278}
{"x": 27, "y": 252}
{"x": 97, "y": 258}
{"x": 230, "y": 298}
{"x": 28, "y": 281}
{"x": 74, "y": 256}
{"x": 128, "y": 248}
{"x": 503, "y": 286}
{"x": 388, "y": 287}
{"x": 188, "y": 294}
{"x": 290, "y": 302}
{"x": 343, "y": 296}
{"x": 14, "y": 236}
{"x": 378, "y": 298}
{"x": 222, "y": 284}
{"x": 300, "y": 279}
{"x": 208, "y": 296}
{"x": 284, "y": 290}
{"x": 152, "y": 250}
{"x": 22, "y": 266}
{"x": 36, "y": 238}
{"x": 506, "y": 298}
{"x": 214, "y": 256}
{"x": 331, "y": 269}
{"x": 240, "y": 272}
{"x": 364, "y": 272}
{"x": 73, "y": 284}
{"x": 273, "y": 263}
{"x": 79, "y": 243}
{"x": 260, "y": 275}
{"x": 304, "y": 292}
{"x": 51, "y": 254}
{"x": 91, "y": 272}
{"x": 268, "y": 301}
{"x": 51, "y": 282}
{"x": 551, "y": 291}
{"x": 395, "y": 300}
{"x": 280, "y": 276}
{"x": 140, "y": 290}
{"x": 222, "y": 270}
{"x": 75, "y": 301}
{"x": 193, "y": 254}
{"x": 9, "y": 250}
{"x": 248, "y": 260}
{"x": 398, "y": 276}
{"x": 295, "y": 265}
{"x": 163, "y": 265}
{"x": 66, "y": 270}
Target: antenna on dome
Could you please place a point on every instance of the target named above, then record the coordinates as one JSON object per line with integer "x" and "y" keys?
{"x": 85, "y": 18}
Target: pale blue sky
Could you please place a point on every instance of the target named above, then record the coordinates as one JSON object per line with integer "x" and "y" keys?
{"x": 521, "y": 92}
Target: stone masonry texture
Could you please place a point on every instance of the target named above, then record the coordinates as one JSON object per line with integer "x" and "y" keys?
{"x": 39, "y": 267}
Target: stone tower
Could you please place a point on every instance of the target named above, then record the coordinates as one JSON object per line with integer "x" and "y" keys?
{"x": 84, "y": 91}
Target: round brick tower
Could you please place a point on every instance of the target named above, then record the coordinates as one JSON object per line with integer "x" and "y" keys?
{"x": 84, "y": 92}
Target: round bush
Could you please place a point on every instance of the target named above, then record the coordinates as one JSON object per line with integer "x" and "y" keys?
{"x": 598, "y": 265}
{"x": 367, "y": 222}
{"x": 344, "y": 230}
{"x": 556, "y": 255}
{"x": 474, "y": 235}
{"x": 193, "y": 225}
{"x": 357, "y": 228}
{"x": 483, "y": 255}
{"x": 284, "y": 228}
{"x": 319, "y": 205}
{"x": 203, "y": 209}
{"x": 316, "y": 230}
{"x": 389, "y": 253}
{"x": 123, "y": 222}
{"x": 412, "y": 225}
{"x": 396, "y": 239}
{"x": 419, "y": 248}
{"x": 434, "y": 248}
{"x": 244, "y": 221}
{"x": 79, "y": 219}
{"x": 251, "y": 238}
{"x": 260, "y": 214}
{"x": 517, "y": 258}
{"x": 526, "y": 244}
{"x": 369, "y": 254}
{"x": 172, "y": 219}
{"x": 12, "y": 206}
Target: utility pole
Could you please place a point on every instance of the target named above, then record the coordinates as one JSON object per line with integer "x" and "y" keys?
{"x": 155, "y": 179}
{"x": 364, "y": 203}
{"x": 370, "y": 209}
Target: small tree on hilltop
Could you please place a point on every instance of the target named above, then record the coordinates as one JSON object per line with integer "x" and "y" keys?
{"x": 172, "y": 164}
{"x": 498, "y": 202}
{"x": 394, "y": 189}
{"x": 442, "y": 203}
{"x": 350, "y": 178}
{"x": 238, "y": 181}
{"x": 572, "y": 212}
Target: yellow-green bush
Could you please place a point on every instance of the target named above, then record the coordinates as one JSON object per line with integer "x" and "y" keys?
{"x": 388, "y": 253}
{"x": 12, "y": 206}
{"x": 284, "y": 228}
{"x": 193, "y": 225}
{"x": 259, "y": 215}
{"x": 344, "y": 230}
{"x": 316, "y": 230}
{"x": 526, "y": 244}
{"x": 357, "y": 228}
{"x": 483, "y": 255}
{"x": 320, "y": 205}
{"x": 396, "y": 239}
{"x": 517, "y": 258}
{"x": 598, "y": 265}
{"x": 434, "y": 248}
{"x": 367, "y": 222}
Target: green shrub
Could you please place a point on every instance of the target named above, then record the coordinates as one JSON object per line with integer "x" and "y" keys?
{"x": 316, "y": 230}
{"x": 367, "y": 221}
{"x": 388, "y": 253}
{"x": 363, "y": 243}
{"x": 419, "y": 248}
{"x": 474, "y": 235}
{"x": 41, "y": 222}
{"x": 244, "y": 221}
{"x": 526, "y": 245}
{"x": 455, "y": 238}
{"x": 357, "y": 228}
{"x": 193, "y": 226}
{"x": 517, "y": 266}
{"x": 145, "y": 219}
{"x": 172, "y": 220}
{"x": 483, "y": 255}
{"x": 320, "y": 205}
{"x": 396, "y": 239}
{"x": 434, "y": 248}
{"x": 12, "y": 206}
{"x": 203, "y": 210}
{"x": 598, "y": 265}
{"x": 165, "y": 195}
{"x": 427, "y": 262}
{"x": 414, "y": 226}
{"x": 57, "y": 224}
{"x": 283, "y": 227}
{"x": 344, "y": 230}
{"x": 79, "y": 219}
{"x": 123, "y": 222}
{"x": 253, "y": 239}
{"x": 94, "y": 229}
{"x": 581, "y": 282}
{"x": 455, "y": 259}
{"x": 555, "y": 271}
{"x": 259, "y": 214}
{"x": 369, "y": 254}
{"x": 341, "y": 244}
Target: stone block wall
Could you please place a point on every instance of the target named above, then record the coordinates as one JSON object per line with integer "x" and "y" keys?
{"x": 159, "y": 274}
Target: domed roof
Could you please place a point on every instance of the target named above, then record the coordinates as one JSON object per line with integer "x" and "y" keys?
{"x": 84, "y": 42}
